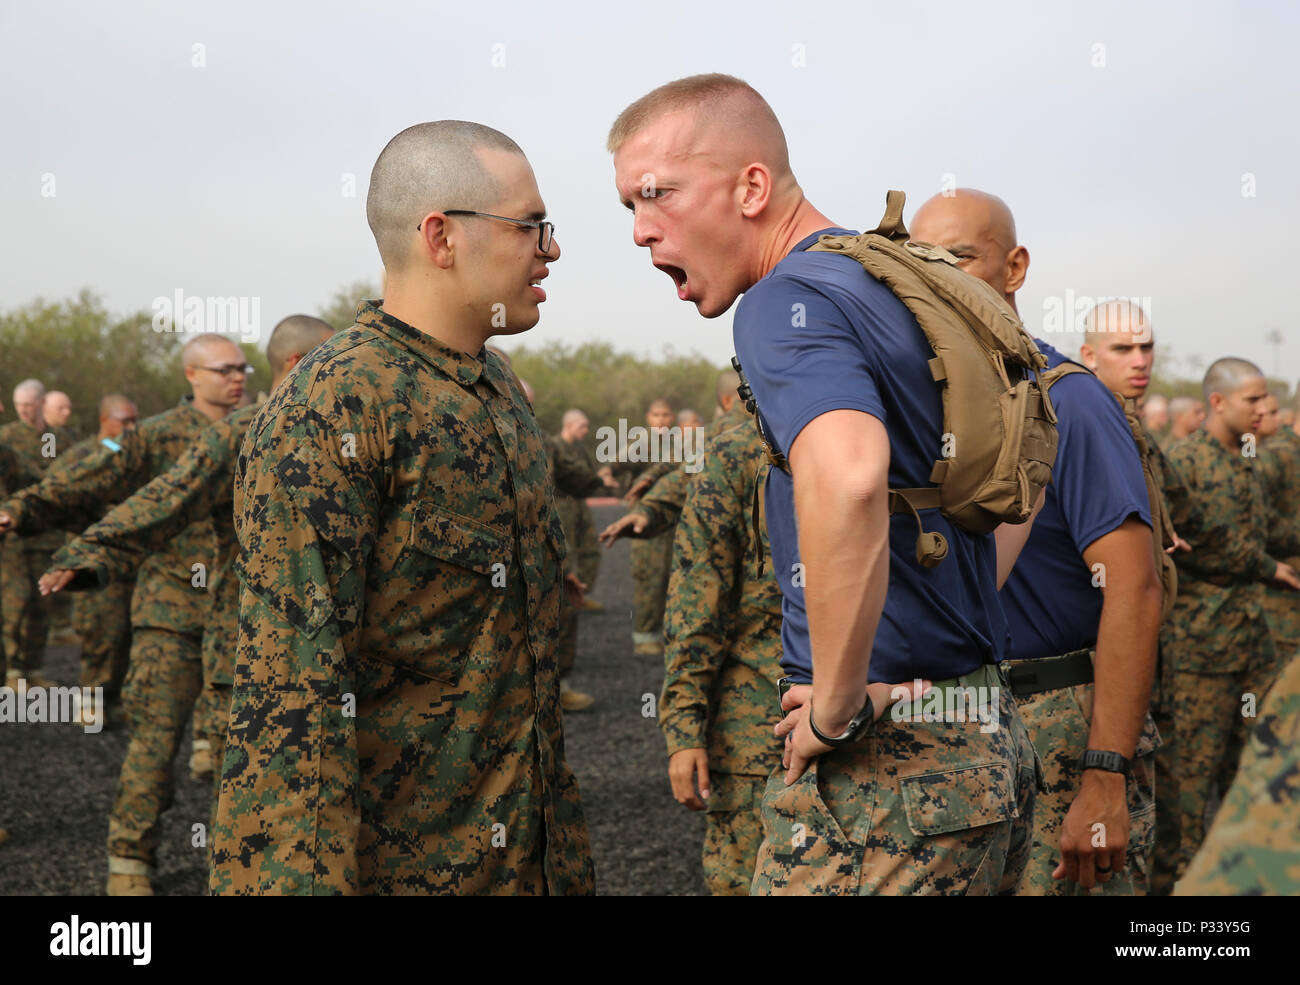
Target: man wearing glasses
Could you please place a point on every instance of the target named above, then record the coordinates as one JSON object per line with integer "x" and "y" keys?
{"x": 395, "y": 724}
{"x": 171, "y": 603}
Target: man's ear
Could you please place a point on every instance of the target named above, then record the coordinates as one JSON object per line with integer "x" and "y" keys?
{"x": 1088, "y": 356}
{"x": 1216, "y": 402}
{"x": 1017, "y": 265}
{"x": 754, "y": 190}
{"x": 435, "y": 241}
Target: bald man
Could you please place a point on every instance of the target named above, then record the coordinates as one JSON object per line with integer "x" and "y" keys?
{"x": 576, "y": 477}
{"x": 57, "y": 409}
{"x": 402, "y": 566}
{"x": 24, "y": 615}
{"x": 102, "y": 617}
{"x": 832, "y": 355}
{"x": 1223, "y": 654}
{"x": 171, "y": 603}
{"x": 1083, "y": 602}
{"x": 198, "y": 488}
{"x": 1186, "y": 414}
{"x": 651, "y": 556}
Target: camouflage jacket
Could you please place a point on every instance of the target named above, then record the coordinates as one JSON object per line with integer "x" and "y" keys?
{"x": 1279, "y": 471}
{"x": 15, "y": 471}
{"x": 575, "y": 478}
{"x": 171, "y": 585}
{"x": 395, "y": 694}
{"x": 198, "y": 488}
{"x": 1218, "y": 623}
{"x": 662, "y": 503}
{"x": 722, "y": 625}
{"x": 37, "y": 450}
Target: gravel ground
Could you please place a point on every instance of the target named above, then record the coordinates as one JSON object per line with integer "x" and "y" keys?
{"x": 57, "y": 782}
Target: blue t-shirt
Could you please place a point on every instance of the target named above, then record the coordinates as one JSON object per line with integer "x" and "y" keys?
{"x": 1049, "y": 598}
{"x": 819, "y": 334}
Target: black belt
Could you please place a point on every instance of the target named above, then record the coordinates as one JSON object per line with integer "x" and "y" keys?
{"x": 1049, "y": 673}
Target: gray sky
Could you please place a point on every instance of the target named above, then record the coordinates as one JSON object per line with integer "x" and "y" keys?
{"x": 1126, "y": 177}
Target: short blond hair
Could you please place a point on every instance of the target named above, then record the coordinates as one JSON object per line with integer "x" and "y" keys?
{"x": 713, "y": 98}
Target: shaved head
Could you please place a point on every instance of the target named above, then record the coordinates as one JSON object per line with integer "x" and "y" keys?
{"x": 980, "y": 231}
{"x": 721, "y": 110}
{"x": 573, "y": 416}
{"x": 210, "y": 345}
{"x": 430, "y": 167}
{"x": 1228, "y": 375}
{"x": 29, "y": 390}
{"x": 296, "y": 335}
{"x": 115, "y": 403}
{"x": 57, "y": 408}
{"x": 1118, "y": 317}
{"x": 728, "y": 382}
{"x": 29, "y": 399}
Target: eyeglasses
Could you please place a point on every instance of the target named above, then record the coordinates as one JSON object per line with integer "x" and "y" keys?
{"x": 545, "y": 230}
{"x": 230, "y": 371}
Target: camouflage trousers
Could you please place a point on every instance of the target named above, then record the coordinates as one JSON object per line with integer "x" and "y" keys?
{"x": 1164, "y": 853}
{"x": 102, "y": 618}
{"x": 1254, "y": 845}
{"x": 1282, "y": 609}
{"x": 24, "y": 613}
{"x": 733, "y": 832}
{"x": 585, "y": 543}
{"x": 651, "y": 564}
{"x": 1058, "y": 721}
{"x": 915, "y": 808}
{"x": 568, "y": 646}
{"x": 162, "y": 685}
{"x": 1210, "y": 732}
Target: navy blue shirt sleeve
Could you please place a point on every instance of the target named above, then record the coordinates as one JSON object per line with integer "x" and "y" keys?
{"x": 803, "y": 357}
{"x": 1099, "y": 479}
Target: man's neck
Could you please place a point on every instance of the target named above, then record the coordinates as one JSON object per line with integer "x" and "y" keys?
{"x": 37, "y": 425}
{"x": 426, "y": 313}
{"x": 213, "y": 412}
{"x": 1218, "y": 430}
{"x": 802, "y": 221}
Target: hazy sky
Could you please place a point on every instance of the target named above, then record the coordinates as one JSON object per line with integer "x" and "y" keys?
{"x": 1147, "y": 150}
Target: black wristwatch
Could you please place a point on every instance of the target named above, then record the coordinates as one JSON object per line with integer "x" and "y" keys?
{"x": 1099, "y": 759}
{"x": 859, "y": 725}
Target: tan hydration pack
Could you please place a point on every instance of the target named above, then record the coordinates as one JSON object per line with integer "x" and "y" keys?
{"x": 999, "y": 429}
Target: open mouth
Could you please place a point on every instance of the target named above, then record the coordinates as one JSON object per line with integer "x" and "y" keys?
{"x": 679, "y": 278}
{"x": 535, "y": 284}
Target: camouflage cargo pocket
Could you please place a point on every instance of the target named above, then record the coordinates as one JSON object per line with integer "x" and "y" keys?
{"x": 440, "y": 592}
{"x": 805, "y": 851}
{"x": 954, "y": 800}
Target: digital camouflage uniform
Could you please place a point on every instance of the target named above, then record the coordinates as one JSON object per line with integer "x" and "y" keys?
{"x": 395, "y": 724}
{"x": 913, "y": 808}
{"x": 25, "y": 615}
{"x": 579, "y": 525}
{"x": 1217, "y": 641}
{"x": 652, "y": 551}
{"x": 101, "y": 615}
{"x": 1164, "y": 852}
{"x": 1254, "y": 846}
{"x": 169, "y": 610}
{"x": 722, "y": 650}
{"x": 575, "y": 478}
{"x": 198, "y": 488}
{"x": 1279, "y": 469}
{"x": 15, "y": 473}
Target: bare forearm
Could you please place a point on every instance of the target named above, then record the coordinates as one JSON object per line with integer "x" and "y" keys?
{"x": 844, "y": 546}
{"x": 1125, "y": 665}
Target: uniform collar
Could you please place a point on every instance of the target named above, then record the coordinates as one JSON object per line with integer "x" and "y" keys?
{"x": 465, "y": 369}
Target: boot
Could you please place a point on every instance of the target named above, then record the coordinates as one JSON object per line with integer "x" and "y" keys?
{"x": 128, "y": 877}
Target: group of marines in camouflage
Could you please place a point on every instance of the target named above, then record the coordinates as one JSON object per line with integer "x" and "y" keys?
{"x": 360, "y": 591}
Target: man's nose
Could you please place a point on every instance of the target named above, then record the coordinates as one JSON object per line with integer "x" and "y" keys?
{"x": 644, "y": 232}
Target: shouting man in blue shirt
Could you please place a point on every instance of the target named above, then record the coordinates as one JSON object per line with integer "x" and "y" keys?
{"x": 924, "y": 802}
{"x": 1084, "y": 591}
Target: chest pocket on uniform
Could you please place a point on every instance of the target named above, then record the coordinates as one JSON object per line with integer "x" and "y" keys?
{"x": 449, "y": 579}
